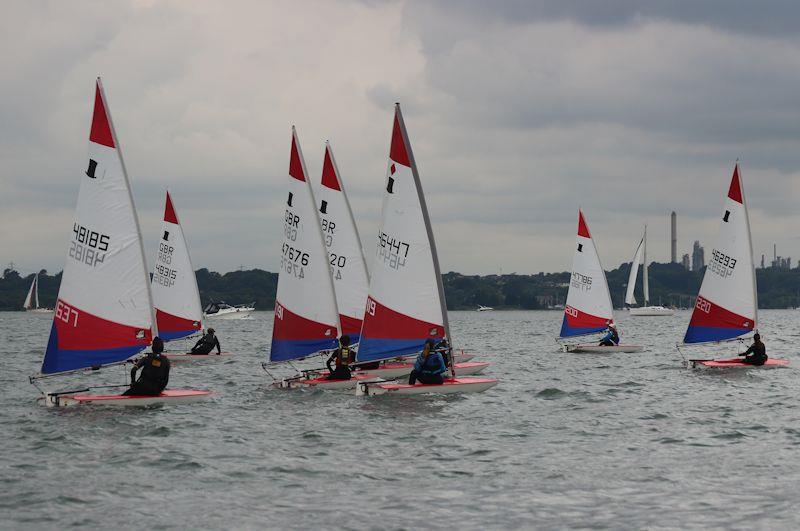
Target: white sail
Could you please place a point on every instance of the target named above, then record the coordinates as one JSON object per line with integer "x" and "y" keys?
{"x": 176, "y": 298}
{"x": 306, "y": 316}
{"x": 637, "y": 258}
{"x": 406, "y": 302}
{"x": 727, "y": 304}
{"x": 588, "y": 305}
{"x": 348, "y": 267}
{"x": 104, "y": 311}
{"x": 32, "y": 300}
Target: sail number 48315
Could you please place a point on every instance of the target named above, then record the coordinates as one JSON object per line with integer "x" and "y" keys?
{"x": 67, "y": 313}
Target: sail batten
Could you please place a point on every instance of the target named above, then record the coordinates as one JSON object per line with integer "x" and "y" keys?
{"x": 588, "y": 306}
{"x": 727, "y": 305}
{"x": 104, "y": 311}
{"x": 306, "y": 317}
{"x": 406, "y": 304}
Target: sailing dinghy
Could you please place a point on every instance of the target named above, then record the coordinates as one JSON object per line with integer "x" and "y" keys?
{"x": 406, "y": 304}
{"x": 31, "y": 303}
{"x": 349, "y": 271}
{"x": 104, "y": 312}
{"x": 588, "y": 308}
{"x": 176, "y": 298}
{"x": 306, "y": 321}
{"x": 630, "y": 300}
{"x": 727, "y": 304}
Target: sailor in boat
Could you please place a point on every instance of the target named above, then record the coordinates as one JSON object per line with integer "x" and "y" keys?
{"x": 155, "y": 372}
{"x": 429, "y": 367}
{"x": 207, "y": 343}
{"x": 757, "y": 353}
{"x": 343, "y": 357}
{"x": 612, "y": 336}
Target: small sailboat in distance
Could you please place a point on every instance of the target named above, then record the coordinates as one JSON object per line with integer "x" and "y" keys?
{"x": 482, "y": 308}
{"x": 588, "y": 309}
{"x": 406, "y": 303}
{"x": 727, "y": 304}
{"x": 104, "y": 312}
{"x": 630, "y": 300}
{"x": 31, "y": 303}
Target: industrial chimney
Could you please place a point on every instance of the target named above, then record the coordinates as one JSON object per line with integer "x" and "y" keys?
{"x": 674, "y": 254}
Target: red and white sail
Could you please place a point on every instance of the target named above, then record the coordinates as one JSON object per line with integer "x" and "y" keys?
{"x": 348, "y": 267}
{"x": 406, "y": 302}
{"x": 176, "y": 298}
{"x": 306, "y": 315}
{"x": 588, "y": 307}
{"x": 104, "y": 311}
{"x": 727, "y": 304}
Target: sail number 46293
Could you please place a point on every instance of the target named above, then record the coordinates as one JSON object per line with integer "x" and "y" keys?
{"x": 721, "y": 263}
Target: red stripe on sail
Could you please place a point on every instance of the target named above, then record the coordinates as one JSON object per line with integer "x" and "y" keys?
{"x": 172, "y": 323}
{"x": 735, "y": 191}
{"x": 169, "y": 212}
{"x": 381, "y": 322}
{"x": 708, "y": 314}
{"x": 329, "y": 177}
{"x": 579, "y": 319}
{"x": 398, "y": 151}
{"x": 101, "y": 129}
{"x": 290, "y": 326}
{"x": 80, "y": 330}
{"x": 295, "y": 167}
{"x": 583, "y": 228}
{"x": 350, "y": 325}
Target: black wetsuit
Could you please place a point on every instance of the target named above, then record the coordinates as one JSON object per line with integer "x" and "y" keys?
{"x": 342, "y": 370}
{"x": 206, "y": 344}
{"x": 756, "y": 354}
{"x": 153, "y": 378}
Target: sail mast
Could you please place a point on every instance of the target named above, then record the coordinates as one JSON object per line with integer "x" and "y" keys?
{"x": 145, "y": 272}
{"x": 645, "y": 281}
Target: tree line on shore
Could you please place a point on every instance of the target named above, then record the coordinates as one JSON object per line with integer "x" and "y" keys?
{"x": 670, "y": 285}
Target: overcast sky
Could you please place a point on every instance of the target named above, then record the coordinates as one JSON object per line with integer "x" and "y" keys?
{"x": 518, "y": 112}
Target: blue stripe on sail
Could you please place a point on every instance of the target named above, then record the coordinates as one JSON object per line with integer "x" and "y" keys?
{"x": 354, "y": 338}
{"x": 169, "y": 336}
{"x": 703, "y": 334}
{"x": 381, "y": 349}
{"x": 292, "y": 349}
{"x": 60, "y": 360}
{"x": 569, "y": 331}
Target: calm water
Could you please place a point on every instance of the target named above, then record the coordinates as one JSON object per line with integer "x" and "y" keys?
{"x": 565, "y": 440}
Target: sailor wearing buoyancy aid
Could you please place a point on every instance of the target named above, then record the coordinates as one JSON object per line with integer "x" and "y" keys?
{"x": 429, "y": 367}
{"x": 155, "y": 372}
{"x": 343, "y": 357}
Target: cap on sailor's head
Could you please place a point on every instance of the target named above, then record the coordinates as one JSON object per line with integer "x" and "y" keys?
{"x": 211, "y": 331}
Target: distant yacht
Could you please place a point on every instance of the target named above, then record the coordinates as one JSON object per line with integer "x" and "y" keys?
{"x": 630, "y": 300}
{"x": 31, "y": 303}
{"x": 482, "y": 308}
